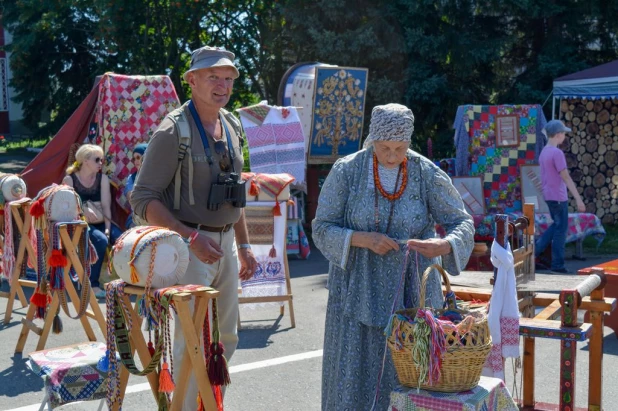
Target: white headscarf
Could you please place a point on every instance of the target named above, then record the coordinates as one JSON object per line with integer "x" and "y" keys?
{"x": 391, "y": 122}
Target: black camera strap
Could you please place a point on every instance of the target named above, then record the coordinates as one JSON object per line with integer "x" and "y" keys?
{"x": 200, "y": 129}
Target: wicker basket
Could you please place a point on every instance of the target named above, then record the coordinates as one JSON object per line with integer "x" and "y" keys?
{"x": 465, "y": 355}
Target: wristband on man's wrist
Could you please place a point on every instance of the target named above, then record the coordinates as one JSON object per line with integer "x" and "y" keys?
{"x": 192, "y": 237}
{"x": 240, "y": 246}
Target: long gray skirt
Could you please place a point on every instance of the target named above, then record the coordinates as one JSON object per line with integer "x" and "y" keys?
{"x": 353, "y": 354}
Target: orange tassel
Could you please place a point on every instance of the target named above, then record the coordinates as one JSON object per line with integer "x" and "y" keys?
{"x": 134, "y": 276}
{"x": 39, "y": 299}
{"x": 276, "y": 210}
{"x": 37, "y": 209}
{"x": 273, "y": 252}
{"x": 254, "y": 189}
{"x": 166, "y": 384}
{"x": 57, "y": 259}
{"x": 218, "y": 397}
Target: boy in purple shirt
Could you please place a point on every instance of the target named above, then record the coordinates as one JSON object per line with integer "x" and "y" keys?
{"x": 556, "y": 179}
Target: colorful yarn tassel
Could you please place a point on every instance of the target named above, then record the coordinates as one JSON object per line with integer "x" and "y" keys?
{"x": 57, "y": 259}
{"x": 273, "y": 252}
{"x": 429, "y": 347}
{"x": 57, "y": 278}
{"x": 37, "y": 209}
{"x": 254, "y": 189}
{"x": 216, "y": 391}
{"x": 151, "y": 349}
{"x": 38, "y": 298}
{"x": 276, "y": 209}
{"x": 217, "y": 365}
{"x": 166, "y": 384}
{"x": 218, "y": 397}
{"x": 134, "y": 275}
{"x": 57, "y": 325}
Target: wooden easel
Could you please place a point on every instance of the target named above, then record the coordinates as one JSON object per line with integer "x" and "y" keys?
{"x": 288, "y": 285}
{"x": 193, "y": 359}
{"x": 69, "y": 244}
{"x": 23, "y": 222}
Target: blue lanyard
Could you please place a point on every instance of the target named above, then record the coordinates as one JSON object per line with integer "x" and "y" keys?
{"x": 200, "y": 129}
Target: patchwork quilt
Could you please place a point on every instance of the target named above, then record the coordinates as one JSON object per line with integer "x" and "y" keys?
{"x": 499, "y": 166}
{"x": 70, "y": 373}
{"x": 129, "y": 110}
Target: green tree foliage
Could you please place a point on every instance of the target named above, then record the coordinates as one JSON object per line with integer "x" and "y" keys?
{"x": 59, "y": 47}
{"x": 53, "y": 45}
{"x": 549, "y": 39}
{"x": 430, "y": 55}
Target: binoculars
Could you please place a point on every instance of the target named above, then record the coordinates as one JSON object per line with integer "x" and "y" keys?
{"x": 228, "y": 188}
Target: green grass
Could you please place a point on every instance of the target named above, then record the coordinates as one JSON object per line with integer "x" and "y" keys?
{"x": 609, "y": 244}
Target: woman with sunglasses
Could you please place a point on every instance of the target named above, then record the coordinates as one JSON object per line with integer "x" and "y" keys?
{"x": 92, "y": 186}
{"x": 138, "y": 154}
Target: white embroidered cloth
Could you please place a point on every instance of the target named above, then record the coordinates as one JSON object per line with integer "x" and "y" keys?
{"x": 503, "y": 316}
{"x": 269, "y": 278}
{"x": 277, "y": 145}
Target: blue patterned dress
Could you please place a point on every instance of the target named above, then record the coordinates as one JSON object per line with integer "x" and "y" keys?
{"x": 363, "y": 285}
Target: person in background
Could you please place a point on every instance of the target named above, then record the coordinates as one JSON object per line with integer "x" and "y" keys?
{"x": 372, "y": 205}
{"x": 93, "y": 188}
{"x": 555, "y": 179}
{"x": 212, "y": 222}
{"x": 138, "y": 154}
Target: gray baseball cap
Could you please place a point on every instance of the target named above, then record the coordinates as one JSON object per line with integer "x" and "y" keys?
{"x": 556, "y": 126}
{"x": 206, "y": 57}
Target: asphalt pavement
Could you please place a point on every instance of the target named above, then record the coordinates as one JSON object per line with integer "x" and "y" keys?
{"x": 277, "y": 367}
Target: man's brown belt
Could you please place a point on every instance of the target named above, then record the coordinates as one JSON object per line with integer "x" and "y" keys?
{"x": 222, "y": 229}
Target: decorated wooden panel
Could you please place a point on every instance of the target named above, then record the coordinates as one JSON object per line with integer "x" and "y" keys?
{"x": 532, "y": 188}
{"x": 339, "y": 107}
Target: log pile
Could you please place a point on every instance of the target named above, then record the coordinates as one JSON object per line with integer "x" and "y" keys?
{"x": 591, "y": 152}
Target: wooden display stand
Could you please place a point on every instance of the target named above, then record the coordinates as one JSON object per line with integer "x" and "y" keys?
{"x": 569, "y": 331}
{"x": 23, "y": 221}
{"x": 69, "y": 244}
{"x": 193, "y": 359}
{"x": 610, "y": 269}
{"x": 288, "y": 285}
{"x": 543, "y": 325}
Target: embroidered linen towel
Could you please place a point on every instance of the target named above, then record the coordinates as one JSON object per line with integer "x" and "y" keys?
{"x": 276, "y": 144}
{"x": 503, "y": 317}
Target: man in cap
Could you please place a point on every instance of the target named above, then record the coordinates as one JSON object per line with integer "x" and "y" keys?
{"x": 555, "y": 180}
{"x": 197, "y": 193}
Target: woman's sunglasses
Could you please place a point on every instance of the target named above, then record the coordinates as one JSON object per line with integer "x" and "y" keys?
{"x": 98, "y": 160}
{"x": 220, "y": 149}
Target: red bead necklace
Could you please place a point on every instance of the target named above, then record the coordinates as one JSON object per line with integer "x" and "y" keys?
{"x": 403, "y": 171}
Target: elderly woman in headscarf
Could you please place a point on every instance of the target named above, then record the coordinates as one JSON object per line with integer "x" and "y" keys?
{"x": 375, "y": 205}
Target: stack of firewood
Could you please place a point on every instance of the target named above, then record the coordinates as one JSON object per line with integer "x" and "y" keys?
{"x": 592, "y": 153}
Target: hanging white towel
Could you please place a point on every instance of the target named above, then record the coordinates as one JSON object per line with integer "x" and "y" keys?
{"x": 503, "y": 316}
{"x": 276, "y": 141}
